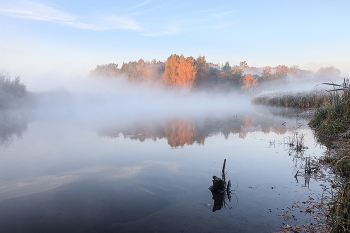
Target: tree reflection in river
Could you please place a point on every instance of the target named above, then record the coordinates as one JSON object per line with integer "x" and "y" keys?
{"x": 187, "y": 131}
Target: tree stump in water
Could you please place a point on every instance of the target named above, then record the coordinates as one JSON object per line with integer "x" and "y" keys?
{"x": 220, "y": 190}
{"x": 218, "y": 185}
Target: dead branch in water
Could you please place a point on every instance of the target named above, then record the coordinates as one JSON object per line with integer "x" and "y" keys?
{"x": 221, "y": 189}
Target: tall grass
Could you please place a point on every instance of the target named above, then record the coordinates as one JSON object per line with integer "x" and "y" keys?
{"x": 339, "y": 216}
{"x": 334, "y": 118}
{"x": 341, "y": 210}
{"x": 305, "y": 99}
{"x": 331, "y": 120}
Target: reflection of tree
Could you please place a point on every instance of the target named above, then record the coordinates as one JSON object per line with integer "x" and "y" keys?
{"x": 181, "y": 132}
{"x": 11, "y": 125}
{"x": 248, "y": 121}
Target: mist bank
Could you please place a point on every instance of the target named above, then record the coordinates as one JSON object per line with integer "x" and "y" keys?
{"x": 123, "y": 102}
{"x": 94, "y": 102}
{"x": 180, "y": 86}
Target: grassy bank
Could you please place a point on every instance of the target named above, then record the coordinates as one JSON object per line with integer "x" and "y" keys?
{"x": 333, "y": 118}
{"x": 331, "y": 122}
{"x": 339, "y": 159}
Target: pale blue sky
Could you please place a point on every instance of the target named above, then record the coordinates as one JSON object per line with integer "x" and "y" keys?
{"x": 48, "y": 41}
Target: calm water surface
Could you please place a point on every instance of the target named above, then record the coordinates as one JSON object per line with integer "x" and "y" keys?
{"x": 63, "y": 174}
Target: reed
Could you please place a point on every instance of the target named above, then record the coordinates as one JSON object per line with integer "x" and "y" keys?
{"x": 331, "y": 120}
{"x": 339, "y": 215}
{"x": 334, "y": 118}
{"x": 305, "y": 99}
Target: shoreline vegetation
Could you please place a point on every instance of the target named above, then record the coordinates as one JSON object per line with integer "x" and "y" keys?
{"x": 331, "y": 123}
{"x": 304, "y": 99}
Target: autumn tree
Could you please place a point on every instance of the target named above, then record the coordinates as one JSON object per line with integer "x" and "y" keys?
{"x": 250, "y": 81}
{"x": 170, "y": 72}
{"x": 180, "y": 71}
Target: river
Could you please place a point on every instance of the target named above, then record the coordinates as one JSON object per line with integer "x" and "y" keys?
{"x": 64, "y": 174}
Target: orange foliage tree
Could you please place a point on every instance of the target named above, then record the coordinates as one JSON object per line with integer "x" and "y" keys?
{"x": 180, "y": 71}
{"x": 249, "y": 81}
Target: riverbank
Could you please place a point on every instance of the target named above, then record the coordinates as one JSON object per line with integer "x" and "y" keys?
{"x": 331, "y": 123}
{"x": 332, "y": 127}
{"x": 338, "y": 156}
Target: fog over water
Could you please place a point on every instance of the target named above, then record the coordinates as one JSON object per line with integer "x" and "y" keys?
{"x": 111, "y": 156}
{"x": 123, "y": 102}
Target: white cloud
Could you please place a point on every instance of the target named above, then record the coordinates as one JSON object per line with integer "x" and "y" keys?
{"x": 36, "y": 11}
{"x": 170, "y": 30}
{"x": 120, "y": 23}
{"x": 144, "y": 3}
{"x": 27, "y": 9}
{"x": 186, "y": 22}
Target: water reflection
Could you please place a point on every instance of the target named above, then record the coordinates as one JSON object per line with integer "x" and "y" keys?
{"x": 67, "y": 178}
{"x": 12, "y": 124}
{"x": 187, "y": 131}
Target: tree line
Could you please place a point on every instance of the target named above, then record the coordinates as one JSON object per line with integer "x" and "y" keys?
{"x": 190, "y": 73}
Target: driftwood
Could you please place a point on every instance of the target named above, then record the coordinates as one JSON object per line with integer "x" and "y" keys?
{"x": 220, "y": 189}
